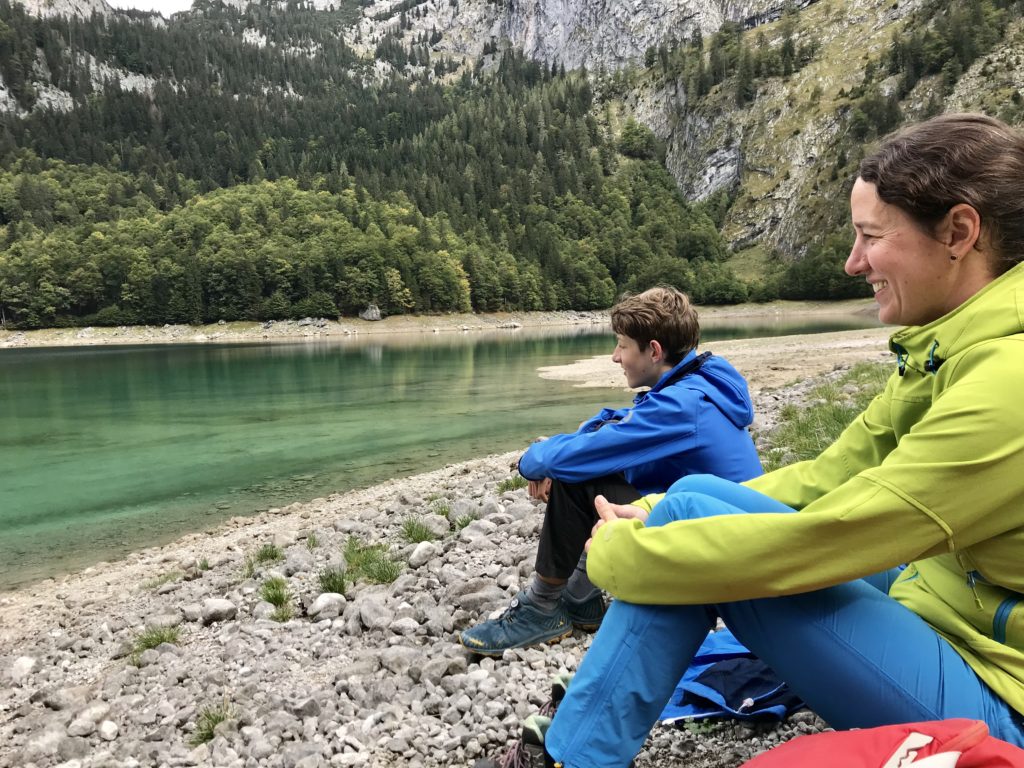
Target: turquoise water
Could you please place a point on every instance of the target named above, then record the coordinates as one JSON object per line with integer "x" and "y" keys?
{"x": 108, "y": 449}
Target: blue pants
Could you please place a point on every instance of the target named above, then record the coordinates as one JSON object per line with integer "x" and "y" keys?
{"x": 855, "y": 655}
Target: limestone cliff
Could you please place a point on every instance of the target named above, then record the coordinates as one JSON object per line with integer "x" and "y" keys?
{"x": 83, "y": 9}
{"x": 596, "y": 34}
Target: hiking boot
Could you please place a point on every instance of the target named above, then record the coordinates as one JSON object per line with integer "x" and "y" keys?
{"x": 521, "y": 625}
{"x": 528, "y": 752}
{"x": 585, "y": 614}
{"x": 559, "y": 685}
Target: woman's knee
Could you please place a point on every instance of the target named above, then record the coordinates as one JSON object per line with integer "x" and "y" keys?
{"x": 709, "y": 485}
{"x": 688, "y": 506}
{"x": 734, "y": 494}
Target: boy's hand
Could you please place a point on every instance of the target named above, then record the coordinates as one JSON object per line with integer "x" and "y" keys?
{"x": 606, "y": 512}
{"x": 540, "y": 489}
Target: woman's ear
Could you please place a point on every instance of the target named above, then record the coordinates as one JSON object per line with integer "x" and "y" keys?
{"x": 961, "y": 229}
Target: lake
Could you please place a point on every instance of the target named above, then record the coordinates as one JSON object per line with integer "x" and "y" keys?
{"x": 109, "y": 449}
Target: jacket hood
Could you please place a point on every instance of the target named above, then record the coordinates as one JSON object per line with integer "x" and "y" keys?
{"x": 997, "y": 310}
{"x": 721, "y": 384}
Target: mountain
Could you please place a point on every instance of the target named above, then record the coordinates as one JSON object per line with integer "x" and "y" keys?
{"x": 540, "y": 153}
{"x": 82, "y": 9}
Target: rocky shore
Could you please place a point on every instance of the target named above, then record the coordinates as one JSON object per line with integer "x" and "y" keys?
{"x": 186, "y": 655}
{"x": 354, "y": 329}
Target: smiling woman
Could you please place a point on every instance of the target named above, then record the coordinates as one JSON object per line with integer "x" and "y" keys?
{"x": 802, "y": 563}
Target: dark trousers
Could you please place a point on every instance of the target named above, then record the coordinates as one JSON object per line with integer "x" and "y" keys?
{"x": 569, "y": 519}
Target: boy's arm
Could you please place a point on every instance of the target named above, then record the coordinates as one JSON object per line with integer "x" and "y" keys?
{"x": 662, "y": 424}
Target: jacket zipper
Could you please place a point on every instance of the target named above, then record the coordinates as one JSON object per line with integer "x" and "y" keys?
{"x": 972, "y": 582}
{"x": 1002, "y": 617}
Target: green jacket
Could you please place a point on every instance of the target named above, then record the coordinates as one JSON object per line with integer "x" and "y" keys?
{"x": 931, "y": 474}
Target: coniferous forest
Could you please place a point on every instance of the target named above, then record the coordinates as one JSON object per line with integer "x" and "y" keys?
{"x": 286, "y": 176}
{"x": 221, "y": 195}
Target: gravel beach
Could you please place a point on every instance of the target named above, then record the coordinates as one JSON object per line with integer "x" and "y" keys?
{"x": 372, "y": 677}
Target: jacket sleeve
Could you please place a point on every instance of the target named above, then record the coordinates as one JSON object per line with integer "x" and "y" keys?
{"x": 864, "y": 443}
{"x": 659, "y": 426}
{"x": 603, "y": 417}
{"x": 952, "y": 481}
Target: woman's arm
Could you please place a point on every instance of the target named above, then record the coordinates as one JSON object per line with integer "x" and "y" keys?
{"x": 955, "y": 478}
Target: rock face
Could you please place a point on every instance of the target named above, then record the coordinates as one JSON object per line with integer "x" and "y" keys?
{"x": 83, "y": 9}
{"x": 596, "y": 34}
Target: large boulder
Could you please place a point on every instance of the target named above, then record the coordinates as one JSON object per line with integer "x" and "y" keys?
{"x": 372, "y": 312}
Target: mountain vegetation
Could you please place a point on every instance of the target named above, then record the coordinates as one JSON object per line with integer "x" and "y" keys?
{"x": 252, "y": 165}
{"x": 223, "y": 194}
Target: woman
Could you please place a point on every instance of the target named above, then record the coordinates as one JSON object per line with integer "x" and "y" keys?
{"x": 931, "y": 474}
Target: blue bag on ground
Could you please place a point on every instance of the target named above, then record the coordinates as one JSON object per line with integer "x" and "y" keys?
{"x": 725, "y": 680}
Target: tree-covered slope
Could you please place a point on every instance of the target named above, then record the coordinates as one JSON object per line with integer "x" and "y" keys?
{"x": 519, "y": 198}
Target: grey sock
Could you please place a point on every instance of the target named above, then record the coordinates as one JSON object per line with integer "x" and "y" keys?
{"x": 543, "y": 595}
{"x": 579, "y": 588}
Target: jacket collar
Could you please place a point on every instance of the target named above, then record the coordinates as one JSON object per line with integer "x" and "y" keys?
{"x": 690, "y": 363}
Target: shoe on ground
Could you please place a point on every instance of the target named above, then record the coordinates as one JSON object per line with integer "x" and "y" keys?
{"x": 585, "y": 614}
{"x": 521, "y": 625}
{"x": 528, "y": 752}
{"x": 559, "y": 685}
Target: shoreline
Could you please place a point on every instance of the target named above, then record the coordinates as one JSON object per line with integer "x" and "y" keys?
{"x": 336, "y": 684}
{"x": 354, "y": 328}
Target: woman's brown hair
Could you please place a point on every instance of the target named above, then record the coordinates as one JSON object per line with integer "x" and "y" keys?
{"x": 927, "y": 168}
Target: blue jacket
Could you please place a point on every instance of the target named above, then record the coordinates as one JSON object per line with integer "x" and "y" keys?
{"x": 688, "y": 423}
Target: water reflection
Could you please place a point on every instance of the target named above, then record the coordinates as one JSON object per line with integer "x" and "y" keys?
{"x": 107, "y": 449}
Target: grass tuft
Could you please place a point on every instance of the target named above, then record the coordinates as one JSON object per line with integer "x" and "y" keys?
{"x": 204, "y": 564}
{"x": 207, "y": 721}
{"x": 803, "y": 433}
{"x": 414, "y": 531}
{"x": 441, "y": 507}
{"x": 333, "y": 580}
{"x": 268, "y": 553}
{"x": 275, "y": 591}
{"x": 463, "y": 521}
{"x": 371, "y": 562}
{"x": 312, "y": 542}
{"x": 159, "y": 581}
{"x": 283, "y": 613}
{"x": 513, "y": 483}
{"x": 150, "y": 638}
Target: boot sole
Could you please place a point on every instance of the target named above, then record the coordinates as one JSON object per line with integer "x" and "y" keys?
{"x": 500, "y": 651}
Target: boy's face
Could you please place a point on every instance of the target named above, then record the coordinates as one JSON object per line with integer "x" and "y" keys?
{"x": 641, "y": 367}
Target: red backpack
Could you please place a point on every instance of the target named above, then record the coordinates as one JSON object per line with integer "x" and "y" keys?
{"x": 935, "y": 744}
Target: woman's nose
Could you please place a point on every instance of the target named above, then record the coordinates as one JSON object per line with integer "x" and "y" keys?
{"x": 855, "y": 264}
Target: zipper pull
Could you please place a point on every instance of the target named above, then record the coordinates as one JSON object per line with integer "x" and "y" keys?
{"x": 972, "y": 580}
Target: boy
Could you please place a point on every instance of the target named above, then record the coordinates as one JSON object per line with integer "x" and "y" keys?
{"x": 693, "y": 420}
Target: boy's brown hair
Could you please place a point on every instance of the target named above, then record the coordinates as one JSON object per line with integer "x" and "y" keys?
{"x": 662, "y": 313}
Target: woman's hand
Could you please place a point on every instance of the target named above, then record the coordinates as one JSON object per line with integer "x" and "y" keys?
{"x": 607, "y": 512}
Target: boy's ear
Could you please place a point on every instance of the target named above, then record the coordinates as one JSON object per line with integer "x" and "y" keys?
{"x": 657, "y": 351}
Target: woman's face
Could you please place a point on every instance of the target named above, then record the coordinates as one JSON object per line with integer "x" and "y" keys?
{"x": 914, "y": 279}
